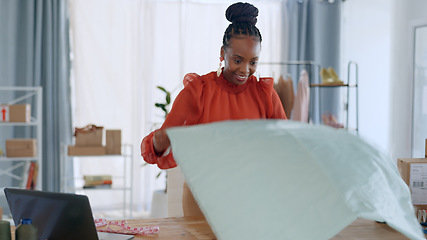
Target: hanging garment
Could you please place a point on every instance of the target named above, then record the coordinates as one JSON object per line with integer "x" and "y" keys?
{"x": 302, "y": 99}
{"x": 285, "y": 90}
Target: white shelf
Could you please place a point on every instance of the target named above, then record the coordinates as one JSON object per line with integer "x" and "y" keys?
{"x": 33, "y": 96}
{"x": 18, "y": 159}
{"x": 125, "y": 186}
{"x": 8, "y": 124}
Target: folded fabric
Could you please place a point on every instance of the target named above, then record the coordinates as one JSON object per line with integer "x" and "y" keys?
{"x": 277, "y": 179}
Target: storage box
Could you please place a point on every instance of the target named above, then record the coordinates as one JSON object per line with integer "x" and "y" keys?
{"x": 414, "y": 173}
{"x": 15, "y": 113}
{"x": 84, "y": 151}
{"x": 21, "y": 147}
{"x": 113, "y": 141}
{"x": 20, "y": 113}
{"x": 90, "y": 135}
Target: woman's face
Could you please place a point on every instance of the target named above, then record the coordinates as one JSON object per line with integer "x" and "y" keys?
{"x": 240, "y": 58}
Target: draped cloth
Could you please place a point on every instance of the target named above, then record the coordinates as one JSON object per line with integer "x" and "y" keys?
{"x": 272, "y": 179}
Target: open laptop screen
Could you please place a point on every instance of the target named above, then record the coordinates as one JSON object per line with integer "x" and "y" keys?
{"x": 55, "y": 215}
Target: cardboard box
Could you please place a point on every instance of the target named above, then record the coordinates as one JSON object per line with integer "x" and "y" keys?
{"x": 113, "y": 141}
{"x": 15, "y": 113}
{"x": 89, "y": 136}
{"x": 414, "y": 174}
{"x": 21, "y": 147}
{"x": 20, "y": 113}
{"x": 85, "y": 151}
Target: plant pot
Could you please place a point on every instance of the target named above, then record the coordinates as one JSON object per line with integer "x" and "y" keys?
{"x": 159, "y": 204}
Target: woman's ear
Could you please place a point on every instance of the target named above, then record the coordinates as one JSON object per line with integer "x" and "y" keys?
{"x": 222, "y": 53}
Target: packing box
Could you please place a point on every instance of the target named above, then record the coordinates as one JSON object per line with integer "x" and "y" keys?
{"x": 414, "y": 173}
{"x": 15, "y": 113}
{"x": 90, "y": 135}
{"x": 84, "y": 151}
{"x": 21, "y": 147}
{"x": 113, "y": 141}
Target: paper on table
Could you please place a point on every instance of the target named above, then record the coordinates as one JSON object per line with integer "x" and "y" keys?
{"x": 274, "y": 179}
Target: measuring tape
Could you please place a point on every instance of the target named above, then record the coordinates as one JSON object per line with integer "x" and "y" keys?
{"x": 123, "y": 228}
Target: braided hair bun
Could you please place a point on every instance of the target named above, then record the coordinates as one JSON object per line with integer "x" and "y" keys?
{"x": 242, "y": 12}
{"x": 243, "y": 17}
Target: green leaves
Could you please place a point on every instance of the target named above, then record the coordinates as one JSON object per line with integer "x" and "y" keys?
{"x": 167, "y": 99}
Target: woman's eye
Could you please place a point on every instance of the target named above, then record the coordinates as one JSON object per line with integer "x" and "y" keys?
{"x": 237, "y": 61}
{"x": 254, "y": 63}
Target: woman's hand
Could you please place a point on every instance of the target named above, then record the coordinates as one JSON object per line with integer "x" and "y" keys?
{"x": 160, "y": 141}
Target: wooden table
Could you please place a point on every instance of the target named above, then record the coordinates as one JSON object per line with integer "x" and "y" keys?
{"x": 190, "y": 228}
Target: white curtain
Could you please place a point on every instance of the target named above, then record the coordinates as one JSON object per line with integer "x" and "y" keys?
{"x": 122, "y": 50}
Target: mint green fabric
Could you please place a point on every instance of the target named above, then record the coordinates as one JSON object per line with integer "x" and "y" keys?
{"x": 277, "y": 179}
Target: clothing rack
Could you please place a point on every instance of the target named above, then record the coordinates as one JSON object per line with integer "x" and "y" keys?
{"x": 313, "y": 70}
{"x": 313, "y": 66}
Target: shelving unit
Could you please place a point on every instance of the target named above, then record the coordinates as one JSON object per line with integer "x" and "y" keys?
{"x": 33, "y": 96}
{"x": 313, "y": 70}
{"x": 126, "y": 176}
{"x": 347, "y": 85}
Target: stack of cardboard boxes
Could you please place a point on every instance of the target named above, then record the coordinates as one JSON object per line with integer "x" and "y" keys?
{"x": 19, "y": 147}
{"x": 88, "y": 141}
{"x": 414, "y": 173}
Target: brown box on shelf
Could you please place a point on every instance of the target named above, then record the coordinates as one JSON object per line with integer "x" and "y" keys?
{"x": 90, "y": 135}
{"x": 84, "y": 151}
{"x": 15, "y": 113}
{"x": 417, "y": 167}
{"x": 21, "y": 147}
{"x": 113, "y": 140}
{"x": 20, "y": 113}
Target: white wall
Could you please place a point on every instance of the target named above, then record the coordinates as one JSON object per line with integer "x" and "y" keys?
{"x": 366, "y": 39}
{"x": 377, "y": 35}
{"x": 406, "y": 14}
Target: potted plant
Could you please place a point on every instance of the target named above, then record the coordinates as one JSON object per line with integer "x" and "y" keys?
{"x": 159, "y": 200}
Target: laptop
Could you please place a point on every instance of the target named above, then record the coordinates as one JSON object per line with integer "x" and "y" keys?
{"x": 57, "y": 215}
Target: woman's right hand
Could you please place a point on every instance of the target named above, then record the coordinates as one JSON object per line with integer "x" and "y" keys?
{"x": 160, "y": 141}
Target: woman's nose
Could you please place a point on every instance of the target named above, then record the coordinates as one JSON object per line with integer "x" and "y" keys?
{"x": 245, "y": 68}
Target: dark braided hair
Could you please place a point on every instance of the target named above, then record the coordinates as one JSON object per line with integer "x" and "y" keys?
{"x": 243, "y": 17}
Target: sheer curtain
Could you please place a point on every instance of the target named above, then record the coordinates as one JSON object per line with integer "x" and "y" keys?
{"x": 122, "y": 50}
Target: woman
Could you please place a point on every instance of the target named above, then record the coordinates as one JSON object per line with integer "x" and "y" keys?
{"x": 231, "y": 93}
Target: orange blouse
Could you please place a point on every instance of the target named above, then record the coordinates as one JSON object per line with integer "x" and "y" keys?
{"x": 209, "y": 98}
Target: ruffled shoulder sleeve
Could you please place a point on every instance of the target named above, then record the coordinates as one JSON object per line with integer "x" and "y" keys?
{"x": 192, "y": 78}
{"x": 266, "y": 83}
